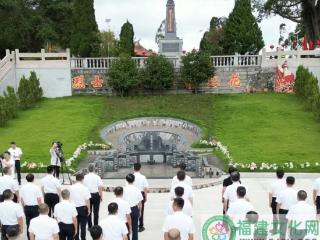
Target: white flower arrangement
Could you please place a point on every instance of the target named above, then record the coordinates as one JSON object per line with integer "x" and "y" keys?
{"x": 261, "y": 166}
{"x": 75, "y": 155}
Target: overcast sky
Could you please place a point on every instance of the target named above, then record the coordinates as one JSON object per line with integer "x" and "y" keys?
{"x": 193, "y": 18}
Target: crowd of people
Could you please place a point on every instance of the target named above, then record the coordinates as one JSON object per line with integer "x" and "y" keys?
{"x": 52, "y": 211}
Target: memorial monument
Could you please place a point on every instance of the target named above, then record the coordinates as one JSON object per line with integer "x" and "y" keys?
{"x": 170, "y": 45}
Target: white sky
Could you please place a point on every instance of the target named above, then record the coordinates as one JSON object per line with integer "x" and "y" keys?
{"x": 193, "y": 18}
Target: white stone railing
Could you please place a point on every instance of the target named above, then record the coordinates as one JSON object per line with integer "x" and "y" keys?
{"x": 42, "y": 59}
{"x": 6, "y": 64}
{"x": 310, "y": 58}
{"x": 105, "y": 63}
{"x": 236, "y": 60}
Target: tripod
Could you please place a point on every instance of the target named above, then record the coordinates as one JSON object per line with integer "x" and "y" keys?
{"x": 60, "y": 158}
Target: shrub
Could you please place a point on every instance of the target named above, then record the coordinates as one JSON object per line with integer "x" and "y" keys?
{"x": 11, "y": 102}
{"x": 35, "y": 87}
{"x": 196, "y": 69}
{"x": 123, "y": 75}
{"x": 24, "y": 93}
{"x": 158, "y": 73}
{"x": 306, "y": 87}
{"x": 3, "y": 112}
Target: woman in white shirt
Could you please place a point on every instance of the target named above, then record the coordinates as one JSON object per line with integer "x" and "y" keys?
{"x": 8, "y": 161}
{"x": 55, "y": 159}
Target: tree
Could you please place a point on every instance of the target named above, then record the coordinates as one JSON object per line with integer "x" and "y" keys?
{"x": 3, "y": 112}
{"x": 306, "y": 12}
{"x": 24, "y": 93}
{"x": 242, "y": 33}
{"x": 56, "y": 22}
{"x": 18, "y": 24}
{"x": 196, "y": 68}
{"x": 109, "y": 44}
{"x": 123, "y": 75}
{"x": 84, "y": 36}
{"x": 211, "y": 41}
{"x": 158, "y": 73}
{"x": 11, "y": 102}
{"x": 126, "y": 44}
{"x": 35, "y": 88}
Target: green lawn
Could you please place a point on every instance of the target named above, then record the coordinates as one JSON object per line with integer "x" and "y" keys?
{"x": 257, "y": 128}
{"x": 272, "y": 128}
{"x": 69, "y": 120}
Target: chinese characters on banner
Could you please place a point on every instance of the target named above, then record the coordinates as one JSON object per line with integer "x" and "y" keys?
{"x": 78, "y": 82}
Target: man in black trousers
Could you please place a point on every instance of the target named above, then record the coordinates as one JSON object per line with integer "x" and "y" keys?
{"x": 31, "y": 198}
{"x": 51, "y": 189}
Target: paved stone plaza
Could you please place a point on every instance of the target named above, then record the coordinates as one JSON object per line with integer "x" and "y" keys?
{"x": 207, "y": 201}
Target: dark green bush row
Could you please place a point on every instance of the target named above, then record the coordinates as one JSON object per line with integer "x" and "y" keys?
{"x": 158, "y": 73}
{"x": 29, "y": 92}
{"x": 307, "y": 88}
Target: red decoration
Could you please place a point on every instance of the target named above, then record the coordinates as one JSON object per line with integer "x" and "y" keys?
{"x": 97, "y": 82}
{"x": 78, "y": 82}
{"x": 318, "y": 42}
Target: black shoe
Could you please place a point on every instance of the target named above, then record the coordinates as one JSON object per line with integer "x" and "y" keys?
{"x": 141, "y": 229}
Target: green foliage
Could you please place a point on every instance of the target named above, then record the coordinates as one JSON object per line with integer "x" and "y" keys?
{"x": 35, "y": 87}
{"x": 196, "y": 68}
{"x": 123, "y": 75}
{"x": 307, "y": 88}
{"x": 29, "y": 91}
{"x": 12, "y": 102}
{"x": 212, "y": 39}
{"x": 3, "y": 112}
{"x": 158, "y": 73}
{"x": 109, "y": 44}
{"x": 85, "y": 36}
{"x": 24, "y": 93}
{"x": 30, "y": 25}
{"x": 304, "y": 12}
{"x": 126, "y": 44}
{"x": 242, "y": 32}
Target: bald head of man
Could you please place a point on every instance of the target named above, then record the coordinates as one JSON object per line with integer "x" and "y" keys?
{"x": 174, "y": 234}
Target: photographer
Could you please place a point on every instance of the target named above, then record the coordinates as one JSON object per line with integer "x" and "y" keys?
{"x": 55, "y": 153}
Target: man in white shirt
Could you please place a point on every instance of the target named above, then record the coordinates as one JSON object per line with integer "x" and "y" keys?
{"x": 179, "y": 221}
{"x": 43, "y": 226}
{"x": 187, "y": 207}
{"x": 230, "y": 194}
{"x": 187, "y": 180}
{"x": 285, "y": 200}
{"x": 31, "y": 198}
{"x": 113, "y": 228}
{"x": 316, "y": 194}
{"x": 298, "y": 216}
{"x": 16, "y": 154}
{"x": 124, "y": 209}
{"x": 80, "y": 196}
{"x": 239, "y": 209}
{"x": 134, "y": 197}
{"x": 95, "y": 185}
{"x": 142, "y": 184}
{"x": 276, "y": 188}
{"x": 51, "y": 189}
{"x": 11, "y": 214}
{"x": 66, "y": 214}
{"x": 7, "y": 182}
{"x": 188, "y": 193}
